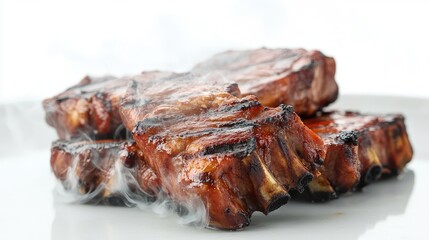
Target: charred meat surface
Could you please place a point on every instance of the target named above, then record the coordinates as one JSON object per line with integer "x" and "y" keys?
{"x": 223, "y": 138}
{"x": 90, "y": 108}
{"x": 303, "y": 79}
{"x": 210, "y": 148}
{"x": 359, "y": 149}
{"x": 103, "y": 170}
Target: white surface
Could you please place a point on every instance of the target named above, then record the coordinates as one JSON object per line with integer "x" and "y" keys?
{"x": 391, "y": 209}
{"x": 381, "y": 46}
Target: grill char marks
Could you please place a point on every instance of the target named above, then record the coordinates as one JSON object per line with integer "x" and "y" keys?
{"x": 207, "y": 145}
{"x": 90, "y": 108}
{"x": 303, "y": 79}
{"x": 360, "y": 148}
{"x": 202, "y": 141}
{"x": 103, "y": 170}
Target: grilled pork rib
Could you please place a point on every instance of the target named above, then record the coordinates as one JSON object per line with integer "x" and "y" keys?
{"x": 210, "y": 147}
{"x": 303, "y": 79}
{"x": 103, "y": 170}
{"x": 90, "y": 108}
{"x": 359, "y": 149}
{"x": 203, "y": 142}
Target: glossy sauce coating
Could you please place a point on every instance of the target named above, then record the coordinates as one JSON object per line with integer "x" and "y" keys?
{"x": 100, "y": 170}
{"x": 90, "y": 108}
{"x": 297, "y": 77}
{"x": 303, "y": 79}
{"x": 209, "y": 146}
{"x": 360, "y": 148}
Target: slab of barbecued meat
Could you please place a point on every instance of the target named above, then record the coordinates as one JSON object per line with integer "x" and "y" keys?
{"x": 303, "y": 79}
{"x": 90, "y": 108}
{"x": 229, "y": 155}
{"x": 359, "y": 149}
{"x": 113, "y": 172}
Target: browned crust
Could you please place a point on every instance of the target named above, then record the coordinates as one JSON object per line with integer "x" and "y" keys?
{"x": 371, "y": 145}
{"x": 303, "y": 79}
{"x": 90, "y": 108}
{"x": 297, "y": 77}
{"x": 233, "y": 154}
{"x": 86, "y": 167}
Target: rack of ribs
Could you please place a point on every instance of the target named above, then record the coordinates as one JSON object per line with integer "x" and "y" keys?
{"x": 359, "y": 149}
{"x": 212, "y": 148}
{"x": 201, "y": 140}
{"x": 303, "y": 79}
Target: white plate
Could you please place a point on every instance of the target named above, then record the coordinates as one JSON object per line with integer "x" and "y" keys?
{"x": 390, "y": 209}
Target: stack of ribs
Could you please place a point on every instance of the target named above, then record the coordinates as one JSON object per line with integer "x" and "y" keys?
{"x": 226, "y": 137}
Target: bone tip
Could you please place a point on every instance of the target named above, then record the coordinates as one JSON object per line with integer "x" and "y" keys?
{"x": 373, "y": 174}
{"x": 303, "y": 182}
{"x": 277, "y": 202}
{"x": 321, "y": 197}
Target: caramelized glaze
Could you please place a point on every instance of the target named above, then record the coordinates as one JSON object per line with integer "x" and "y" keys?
{"x": 208, "y": 145}
{"x": 303, "y": 79}
{"x": 360, "y": 148}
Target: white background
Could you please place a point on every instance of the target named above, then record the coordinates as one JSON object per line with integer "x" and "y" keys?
{"x": 381, "y": 47}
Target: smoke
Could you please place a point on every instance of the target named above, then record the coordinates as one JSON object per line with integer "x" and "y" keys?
{"x": 96, "y": 176}
{"x": 97, "y": 167}
{"x": 22, "y": 125}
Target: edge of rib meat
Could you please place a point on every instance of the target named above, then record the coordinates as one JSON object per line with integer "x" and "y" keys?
{"x": 303, "y": 79}
{"x": 90, "y": 108}
{"x": 106, "y": 171}
{"x": 362, "y": 147}
{"x": 297, "y": 77}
